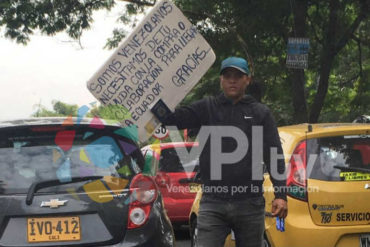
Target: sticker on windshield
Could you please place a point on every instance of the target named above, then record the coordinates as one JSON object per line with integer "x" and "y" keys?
{"x": 354, "y": 176}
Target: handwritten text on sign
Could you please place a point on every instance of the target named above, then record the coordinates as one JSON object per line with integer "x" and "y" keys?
{"x": 164, "y": 57}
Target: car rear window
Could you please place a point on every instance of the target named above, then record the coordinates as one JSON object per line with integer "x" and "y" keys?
{"x": 340, "y": 158}
{"x": 38, "y": 154}
{"x": 178, "y": 160}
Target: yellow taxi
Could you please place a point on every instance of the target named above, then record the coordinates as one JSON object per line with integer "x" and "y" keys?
{"x": 328, "y": 184}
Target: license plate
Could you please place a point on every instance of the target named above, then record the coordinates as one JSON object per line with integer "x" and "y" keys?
{"x": 365, "y": 240}
{"x": 53, "y": 229}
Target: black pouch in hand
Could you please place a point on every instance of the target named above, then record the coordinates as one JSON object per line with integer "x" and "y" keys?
{"x": 160, "y": 110}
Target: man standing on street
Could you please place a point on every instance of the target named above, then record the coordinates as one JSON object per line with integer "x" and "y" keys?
{"x": 235, "y": 199}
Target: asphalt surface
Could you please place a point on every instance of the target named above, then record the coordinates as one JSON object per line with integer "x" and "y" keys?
{"x": 182, "y": 237}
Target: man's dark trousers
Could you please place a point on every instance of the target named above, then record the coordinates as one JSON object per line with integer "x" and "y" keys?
{"x": 217, "y": 216}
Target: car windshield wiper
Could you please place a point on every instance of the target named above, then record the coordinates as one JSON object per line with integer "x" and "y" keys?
{"x": 352, "y": 169}
{"x": 35, "y": 186}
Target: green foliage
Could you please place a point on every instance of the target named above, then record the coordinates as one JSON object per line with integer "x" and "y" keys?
{"x": 22, "y": 17}
{"x": 339, "y": 56}
{"x": 43, "y": 112}
{"x": 110, "y": 112}
{"x": 64, "y": 108}
{"x": 60, "y": 109}
{"x": 129, "y": 18}
{"x": 260, "y": 29}
{"x": 118, "y": 35}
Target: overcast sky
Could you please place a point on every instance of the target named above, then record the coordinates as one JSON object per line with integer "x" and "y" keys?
{"x": 51, "y": 68}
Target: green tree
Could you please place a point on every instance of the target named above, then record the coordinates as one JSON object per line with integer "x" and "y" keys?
{"x": 260, "y": 30}
{"x": 21, "y": 18}
{"x": 60, "y": 109}
{"x": 334, "y": 88}
{"x": 110, "y": 112}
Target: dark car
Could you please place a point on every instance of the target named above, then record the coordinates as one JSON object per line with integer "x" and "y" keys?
{"x": 76, "y": 183}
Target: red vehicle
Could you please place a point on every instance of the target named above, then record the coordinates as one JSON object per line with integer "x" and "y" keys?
{"x": 176, "y": 164}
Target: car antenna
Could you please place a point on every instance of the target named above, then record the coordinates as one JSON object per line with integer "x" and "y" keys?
{"x": 309, "y": 128}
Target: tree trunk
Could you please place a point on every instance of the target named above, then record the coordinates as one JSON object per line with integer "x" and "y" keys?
{"x": 297, "y": 79}
{"x": 327, "y": 57}
{"x": 330, "y": 50}
{"x": 322, "y": 88}
{"x": 300, "y": 114}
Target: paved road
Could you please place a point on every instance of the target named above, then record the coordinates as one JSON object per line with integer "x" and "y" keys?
{"x": 182, "y": 237}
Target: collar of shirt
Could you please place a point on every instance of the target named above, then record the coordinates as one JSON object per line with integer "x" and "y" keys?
{"x": 247, "y": 99}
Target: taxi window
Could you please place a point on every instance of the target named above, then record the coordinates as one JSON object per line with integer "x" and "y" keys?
{"x": 339, "y": 158}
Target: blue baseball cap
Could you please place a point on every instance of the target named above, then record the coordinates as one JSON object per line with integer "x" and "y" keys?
{"x": 237, "y": 63}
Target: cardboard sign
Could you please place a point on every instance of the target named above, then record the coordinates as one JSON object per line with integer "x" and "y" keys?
{"x": 163, "y": 58}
